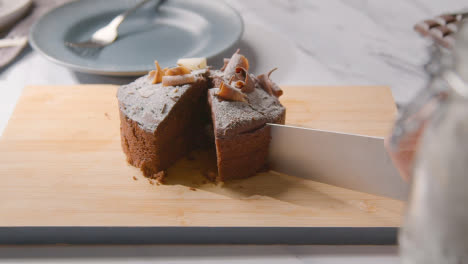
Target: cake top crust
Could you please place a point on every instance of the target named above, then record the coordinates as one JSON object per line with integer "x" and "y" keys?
{"x": 232, "y": 117}
{"x": 240, "y": 101}
{"x": 148, "y": 104}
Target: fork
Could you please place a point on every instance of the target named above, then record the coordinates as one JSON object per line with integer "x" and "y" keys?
{"x": 108, "y": 34}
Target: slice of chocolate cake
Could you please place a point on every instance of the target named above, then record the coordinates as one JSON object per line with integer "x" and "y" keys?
{"x": 162, "y": 122}
{"x": 240, "y": 109}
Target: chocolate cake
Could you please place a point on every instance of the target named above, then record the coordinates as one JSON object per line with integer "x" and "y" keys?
{"x": 164, "y": 116}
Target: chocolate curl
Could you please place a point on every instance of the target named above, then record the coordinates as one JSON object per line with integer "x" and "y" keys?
{"x": 247, "y": 85}
{"x": 237, "y": 60}
{"x": 156, "y": 74}
{"x": 179, "y": 70}
{"x": 230, "y": 80}
{"x": 274, "y": 87}
{"x": 177, "y": 79}
{"x": 227, "y": 92}
{"x": 226, "y": 61}
{"x": 263, "y": 80}
{"x": 269, "y": 86}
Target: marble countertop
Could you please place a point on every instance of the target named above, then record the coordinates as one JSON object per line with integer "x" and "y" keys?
{"x": 335, "y": 42}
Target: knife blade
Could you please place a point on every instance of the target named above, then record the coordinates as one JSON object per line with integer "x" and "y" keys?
{"x": 350, "y": 161}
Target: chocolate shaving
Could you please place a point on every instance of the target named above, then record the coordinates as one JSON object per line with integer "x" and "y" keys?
{"x": 179, "y": 70}
{"x": 156, "y": 74}
{"x": 269, "y": 86}
{"x": 230, "y": 80}
{"x": 263, "y": 80}
{"x": 237, "y": 60}
{"x": 178, "y": 79}
{"x": 227, "y": 92}
{"x": 226, "y": 61}
{"x": 247, "y": 85}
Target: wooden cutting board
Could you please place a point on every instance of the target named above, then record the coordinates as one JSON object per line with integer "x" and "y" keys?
{"x": 62, "y": 169}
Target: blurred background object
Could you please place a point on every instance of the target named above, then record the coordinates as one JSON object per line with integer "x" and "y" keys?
{"x": 436, "y": 225}
{"x": 19, "y": 17}
{"x": 441, "y": 28}
{"x": 12, "y": 11}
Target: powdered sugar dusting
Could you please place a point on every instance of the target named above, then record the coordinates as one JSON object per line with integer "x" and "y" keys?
{"x": 148, "y": 104}
{"x": 231, "y": 118}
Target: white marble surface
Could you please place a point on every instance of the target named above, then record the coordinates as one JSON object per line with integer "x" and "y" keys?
{"x": 347, "y": 42}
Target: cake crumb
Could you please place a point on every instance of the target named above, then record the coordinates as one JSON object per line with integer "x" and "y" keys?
{"x": 212, "y": 175}
{"x": 150, "y": 181}
{"x": 192, "y": 189}
{"x": 190, "y": 156}
{"x": 209, "y": 175}
{"x": 159, "y": 177}
{"x": 135, "y": 178}
{"x": 107, "y": 115}
{"x": 265, "y": 168}
{"x": 366, "y": 207}
{"x": 176, "y": 90}
{"x": 163, "y": 109}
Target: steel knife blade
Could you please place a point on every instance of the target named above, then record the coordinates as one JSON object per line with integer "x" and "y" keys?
{"x": 350, "y": 161}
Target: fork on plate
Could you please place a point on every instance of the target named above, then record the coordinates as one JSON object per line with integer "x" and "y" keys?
{"x": 108, "y": 34}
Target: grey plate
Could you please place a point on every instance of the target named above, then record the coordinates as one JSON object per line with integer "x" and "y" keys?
{"x": 181, "y": 28}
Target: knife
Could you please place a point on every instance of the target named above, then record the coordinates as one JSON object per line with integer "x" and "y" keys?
{"x": 355, "y": 162}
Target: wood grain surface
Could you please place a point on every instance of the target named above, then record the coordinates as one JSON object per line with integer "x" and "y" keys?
{"x": 61, "y": 164}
